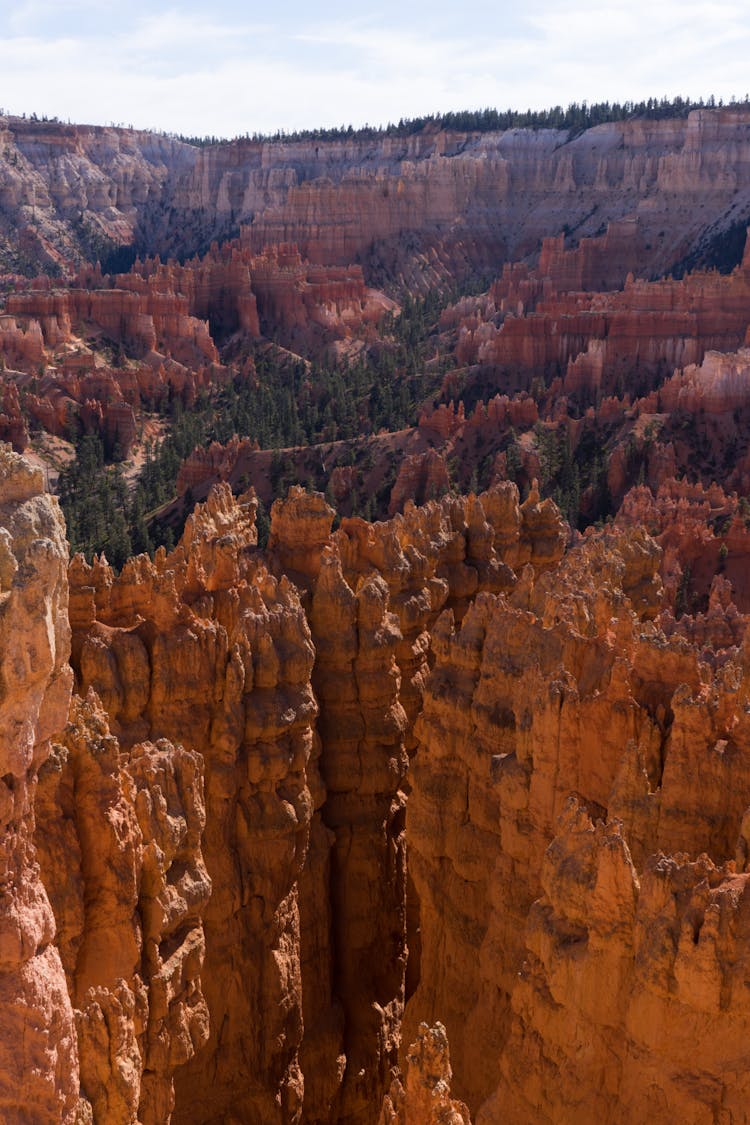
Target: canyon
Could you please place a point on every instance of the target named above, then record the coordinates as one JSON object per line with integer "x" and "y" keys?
{"x": 236, "y": 926}
{"x": 416, "y": 208}
{"x": 402, "y": 778}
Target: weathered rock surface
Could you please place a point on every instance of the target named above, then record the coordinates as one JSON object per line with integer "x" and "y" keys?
{"x": 304, "y": 712}
{"x": 570, "y": 810}
{"x": 207, "y": 649}
{"x": 38, "y": 1047}
{"x": 456, "y": 770}
{"x": 613, "y": 959}
{"x": 121, "y": 854}
{"x": 466, "y": 765}
{"x": 603, "y": 342}
{"x": 464, "y": 200}
{"x": 424, "y": 1097}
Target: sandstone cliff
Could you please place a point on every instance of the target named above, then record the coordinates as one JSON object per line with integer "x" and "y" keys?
{"x": 560, "y": 845}
{"x": 120, "y": 852}
{"x": 467, "y": 201}
{"x": 207, "y": 649}
{"x": 39, "y": 1058}
{"x": 306, "y": 751}
{"x": 465, "y": 773}
{"x": 450, "y": 770}
{"x": 102, "y": 942}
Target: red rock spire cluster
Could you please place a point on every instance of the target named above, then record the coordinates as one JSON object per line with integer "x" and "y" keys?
{"x": 281, "y": 821}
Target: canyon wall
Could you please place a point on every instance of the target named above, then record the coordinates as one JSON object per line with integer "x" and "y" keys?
{"x": 413, "y": 210}
{"x": 96, "y": 355}
{"x": 578, "y": 856}
{"x": 281, "y": 822}
{"x": 39, "y": 1060}
{"x": 441, "y": 768}
{"x": 301, "y": 699}
{"x": 102, "y": 943}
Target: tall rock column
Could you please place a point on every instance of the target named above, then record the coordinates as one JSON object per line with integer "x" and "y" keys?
{"x": 38, "y": 1054}
{"x": 363, "y": 764}
{"x": 361, "y": 938}
{"x": 205, "y": 648}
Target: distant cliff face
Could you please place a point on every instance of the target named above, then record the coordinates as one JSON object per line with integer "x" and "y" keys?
{"x": 412, "y": 210}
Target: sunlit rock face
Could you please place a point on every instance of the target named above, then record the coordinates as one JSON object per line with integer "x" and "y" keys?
{"x": 38, "y": 1047}
{"x": 424, "y": 1098}
{"x": 447, "y": 772}
{"x": 301, "y": 700}
{"x": 465, "y": 201}
{"x": 120, "y": 852}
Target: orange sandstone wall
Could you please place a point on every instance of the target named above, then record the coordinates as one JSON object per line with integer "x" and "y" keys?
{"x": 39, "y": 1055}
{"x": 451, "y": 766}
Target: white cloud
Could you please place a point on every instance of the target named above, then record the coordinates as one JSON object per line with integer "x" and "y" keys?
{"x": 226, "y": 73}
{"x": 170, "y": 32}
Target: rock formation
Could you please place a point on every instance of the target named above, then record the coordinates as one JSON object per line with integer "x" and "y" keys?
{"x": 424, "y": 1098}
{"x": 450, "y": 771}
{"x": 102, "y": 952}
{"x": 39, "y": 1056}
{"x": 304, "y": 839}
{"x": 466, "y": 200}
{"x": 468, "y": 773}
{"x": 121, "y": 855}
{"x": 554, "y": 814}
{"x": 58, "y": 344}
{"x": 207, "y": 649}
{"x": 275, "y": 292}
{"x": 597, "y": 341}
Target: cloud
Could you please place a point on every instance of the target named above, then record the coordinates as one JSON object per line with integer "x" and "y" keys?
{"x": 197, "y": 69}
{"x": 171, "y": 32}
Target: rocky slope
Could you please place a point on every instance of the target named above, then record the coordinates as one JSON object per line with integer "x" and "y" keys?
{"x": 98, "y": 353}
{"x": 413, "y": 210}
{"x": 275, "y": 811}
{"x": 39, "y": 1058}
{"x": 588, "y": 391}
{"x": 570, "y": 887}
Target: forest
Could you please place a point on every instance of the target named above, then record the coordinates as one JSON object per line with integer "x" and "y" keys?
{"x": 577, "y": 116}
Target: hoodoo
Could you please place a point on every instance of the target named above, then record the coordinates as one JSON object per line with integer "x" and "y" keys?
{"x": 374, "y": 650}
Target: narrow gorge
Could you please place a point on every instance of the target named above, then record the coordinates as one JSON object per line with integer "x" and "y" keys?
{"x": 251, "y": 917}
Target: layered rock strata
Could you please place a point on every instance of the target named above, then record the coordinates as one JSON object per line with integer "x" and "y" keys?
{"x": 121, "y": 855}
{"x": 207, "y": 649}
{"x": 416, "y": 209}
{"x": 577, "y": 847}
{"x": 306, "y": 931}
{"x": 39, "y": 1058}
{"x": 571, "y": 886}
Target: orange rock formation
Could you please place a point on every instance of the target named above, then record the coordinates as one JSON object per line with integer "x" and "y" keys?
{"x": 424, "y": 1098}
{"x": 302, "y": 808}
{"x": 597, "y": 342}
{"x": 121, "y": 856}
{"x": 465, "y": 773}
{"x": 454, "y": 770}
{"x": 39, "y": 1058}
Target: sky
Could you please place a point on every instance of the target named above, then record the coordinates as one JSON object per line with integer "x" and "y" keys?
{"x": 226, "y": 68}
